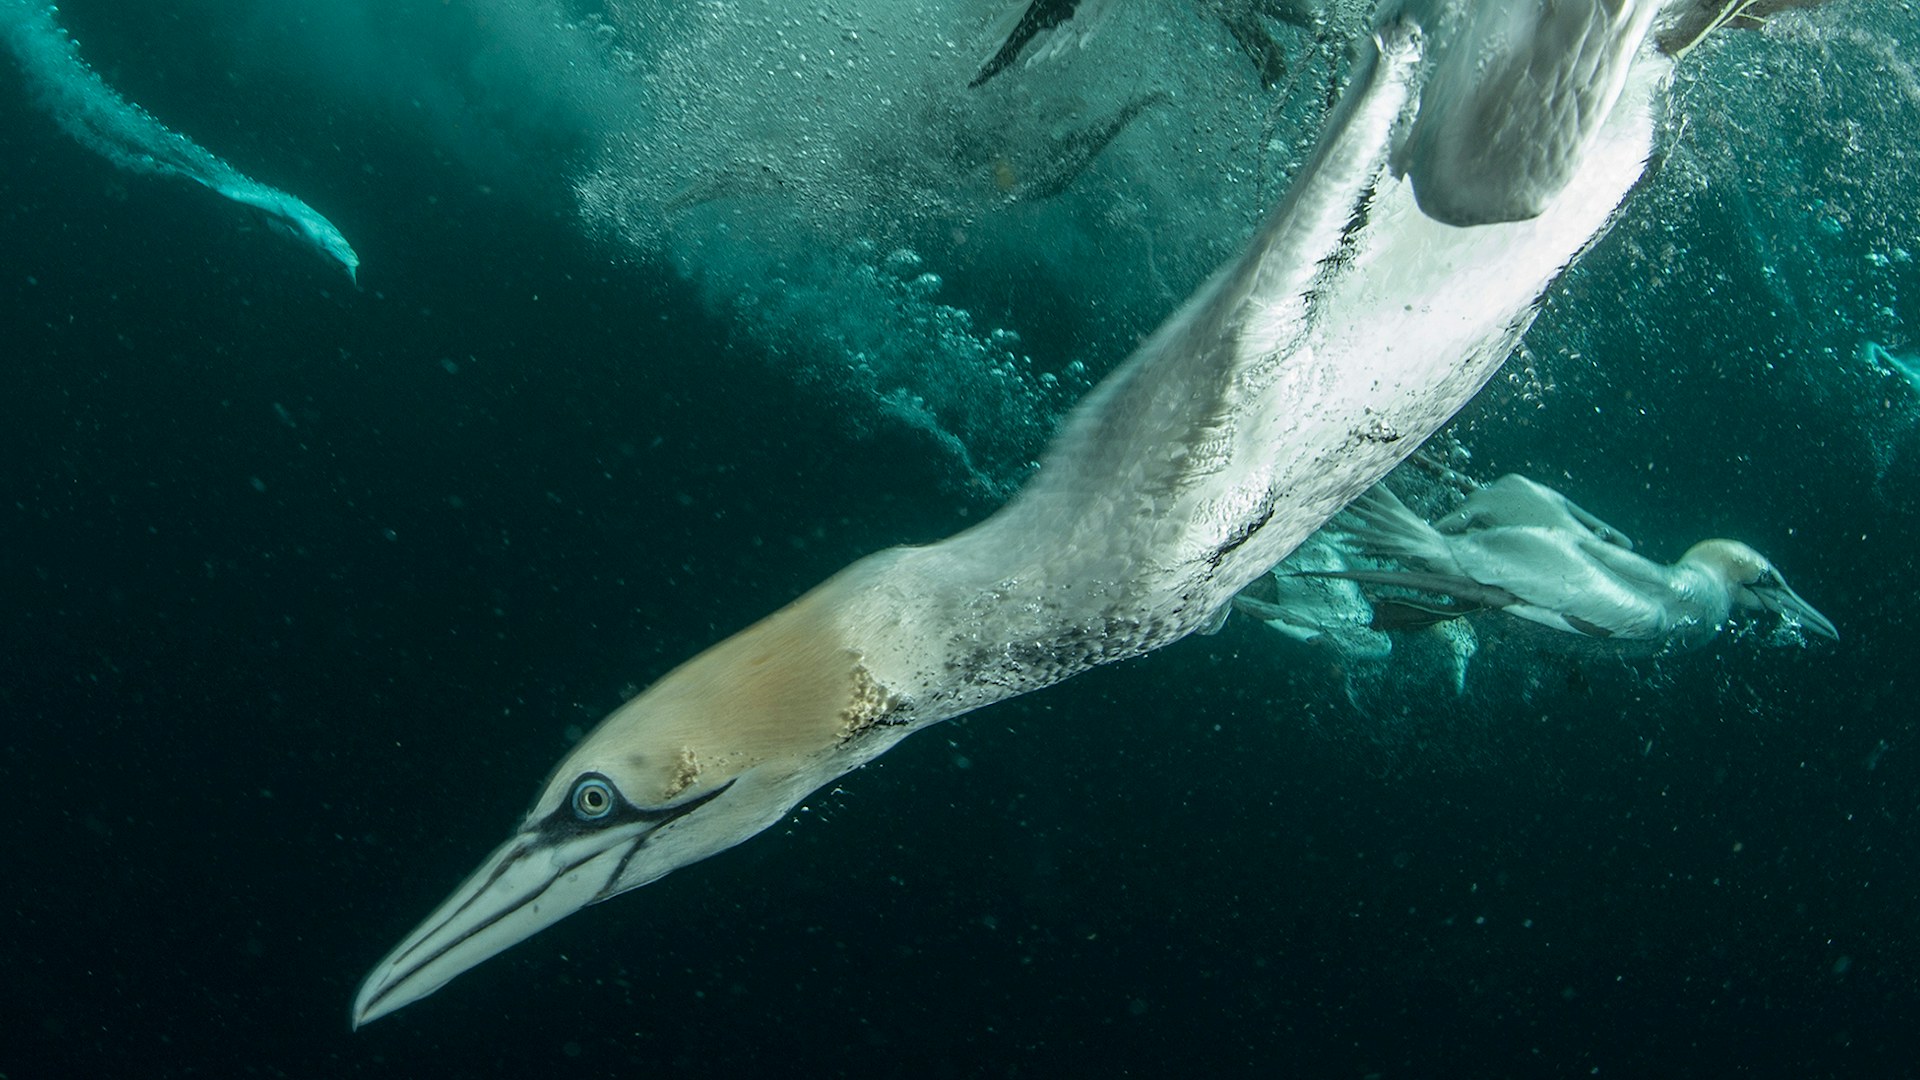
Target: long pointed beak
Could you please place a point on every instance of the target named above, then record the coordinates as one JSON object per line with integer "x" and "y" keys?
{"x": 1782, "y": 600}
{"x": 530, "y": 883}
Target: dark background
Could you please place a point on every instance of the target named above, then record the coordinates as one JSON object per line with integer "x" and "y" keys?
{"x": 305, "y": 587}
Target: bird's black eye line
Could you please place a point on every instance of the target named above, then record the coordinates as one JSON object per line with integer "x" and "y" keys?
{"x": 594, "y": 803}
{"x": 592, "y": 798}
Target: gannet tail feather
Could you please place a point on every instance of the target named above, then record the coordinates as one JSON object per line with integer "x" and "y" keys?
{"x": 1408, "y": 615}
{"x": 1381, "y": 527}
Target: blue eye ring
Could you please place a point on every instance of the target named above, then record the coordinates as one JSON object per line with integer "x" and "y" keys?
{"x": 592, "y": 798}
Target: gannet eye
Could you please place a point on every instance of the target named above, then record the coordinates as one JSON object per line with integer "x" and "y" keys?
{"x": 592, "y": 798}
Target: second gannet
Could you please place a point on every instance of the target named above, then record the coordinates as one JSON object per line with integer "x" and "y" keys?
{"x": 1568, "y": 577}
{"x": 1350, "y": 329}
{"x": 96, "y": 116}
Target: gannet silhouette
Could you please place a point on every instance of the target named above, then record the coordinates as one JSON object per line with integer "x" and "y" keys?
{"x": 1033, "y": 27}
{"x": 1685, "y": 23}
{"x": 97, "y": 117}
{"x": 1567, "y": 576}
{"x": 1350, "y": 329}
{"x": 1042, "y": 29}
{"x": 977, "y": 153}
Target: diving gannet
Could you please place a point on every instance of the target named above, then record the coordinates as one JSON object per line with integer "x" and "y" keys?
{"x": 1311, "y": 597}
{"x": 97, "y": 117}
{"x": 1350, "y": 329}
{"x": 1567, "y": 577}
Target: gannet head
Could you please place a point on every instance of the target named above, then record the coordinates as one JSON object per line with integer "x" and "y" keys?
{"x": 714, "y": 752}
{"x": 1755, "y": 585}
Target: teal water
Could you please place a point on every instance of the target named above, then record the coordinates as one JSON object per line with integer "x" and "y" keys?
{"x": 308, "y": 584}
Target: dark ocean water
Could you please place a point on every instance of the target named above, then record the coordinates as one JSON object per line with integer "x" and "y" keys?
{"x": 305, "y": 587}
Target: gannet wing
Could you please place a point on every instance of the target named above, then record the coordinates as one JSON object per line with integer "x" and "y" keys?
{"x": 1605, "y": 532}
{"x": 1637, "y": 570}
{"x": 1567, "y": 580}
{"x": 1041, "y": 29}
{"x": 1484, "y": 149}
{"x": 1510, "y": 500}
{"x": 1519, "y": 500}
